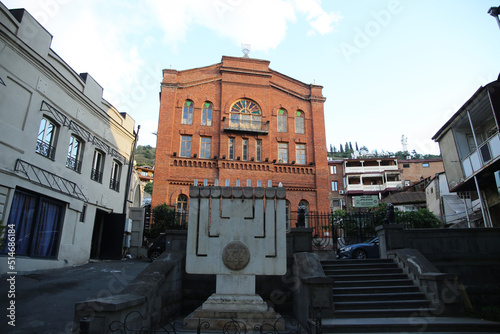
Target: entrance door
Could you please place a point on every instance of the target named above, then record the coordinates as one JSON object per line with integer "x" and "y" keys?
{"x": 107, "y": 238}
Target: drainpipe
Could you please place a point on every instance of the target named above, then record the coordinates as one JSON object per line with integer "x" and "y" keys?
{"x": 130, "y": 168}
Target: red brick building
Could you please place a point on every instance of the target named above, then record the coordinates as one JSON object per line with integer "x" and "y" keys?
{"x": 337, "y": 192}
{"x": 239, "y": 120}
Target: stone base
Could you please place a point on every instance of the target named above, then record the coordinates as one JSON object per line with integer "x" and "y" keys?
{"x": 219, "y": 310}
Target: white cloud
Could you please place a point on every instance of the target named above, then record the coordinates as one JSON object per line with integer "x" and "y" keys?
{"x": 320, "y": 21}
{"x": 261, "y": 23}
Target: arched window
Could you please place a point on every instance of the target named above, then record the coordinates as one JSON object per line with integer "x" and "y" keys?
{"x": 206, "y": 115}
{"x": 299, "y": 122}
{"x": 187, "y": 112}
{"x": 245, "y": 114}
{"x": 181, "y": 209}
{"x": 282, "y": 120}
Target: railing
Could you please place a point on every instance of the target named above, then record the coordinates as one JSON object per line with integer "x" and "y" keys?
{"x": 488, "y": 150}
{"x": 114, "y": 184}
{"x": 374, "y": 187}
{"x": 45, "y": 149}
{"x": 370, "y": 169}
{"x": 252, "y": 124}
{"x": 230, "y": 327}
{"x": 96, "y": 175}
{"x": 74, "y": 164}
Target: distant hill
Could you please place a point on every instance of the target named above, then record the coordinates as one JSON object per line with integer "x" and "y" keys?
{"x": 145, "y": 155}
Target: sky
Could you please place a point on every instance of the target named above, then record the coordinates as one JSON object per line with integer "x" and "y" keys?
{"x": 389, "y": 68}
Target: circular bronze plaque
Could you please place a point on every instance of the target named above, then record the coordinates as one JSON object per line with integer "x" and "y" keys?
{"x": 235, "y": 255}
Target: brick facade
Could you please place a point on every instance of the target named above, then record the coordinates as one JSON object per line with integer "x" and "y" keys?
{"x": 222, "y": 85}
{"x": 337, "y": 191}
{"x": 416, "y": 170}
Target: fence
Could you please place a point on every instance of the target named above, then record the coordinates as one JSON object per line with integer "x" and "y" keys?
{"x": 331, "y": 232}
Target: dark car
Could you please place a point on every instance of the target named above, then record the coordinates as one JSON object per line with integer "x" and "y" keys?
{"x": 157, "y": 247}
{"x": 364, "y": 250}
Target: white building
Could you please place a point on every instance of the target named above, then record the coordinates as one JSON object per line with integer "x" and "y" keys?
{"x": 65, "y": 154}
{"x": 470, "y": 147}
{"x": 370, "y": 179}
{"x": 451, "y": 208}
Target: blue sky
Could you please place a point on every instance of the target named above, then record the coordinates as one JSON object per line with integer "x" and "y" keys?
{"x": 388, "y": 68}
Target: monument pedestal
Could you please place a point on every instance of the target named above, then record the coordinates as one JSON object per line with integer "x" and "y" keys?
{"x": 220, "y": 309}
{"x": 236, "y": 233}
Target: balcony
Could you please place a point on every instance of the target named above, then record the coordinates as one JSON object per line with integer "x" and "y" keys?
{"x": 114, "y": 184}
{"x": 372, "y": 188}
{"x": 74, "y": 164}
{"x": 369, "y": 169}
{"x": 488, "y": 150}
{"x": 96, "y": 175}
{"x": 45, "y": 149}
{"x": 245, "y": 123}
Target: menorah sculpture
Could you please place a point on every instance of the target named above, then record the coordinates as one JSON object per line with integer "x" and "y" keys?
{"x": 236, "y": 233}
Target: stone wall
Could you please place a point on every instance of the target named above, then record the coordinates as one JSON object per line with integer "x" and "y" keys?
{"x": 472, "y": 254}
{"x": 164, "y": 290}
{"x": 156, "y": 293}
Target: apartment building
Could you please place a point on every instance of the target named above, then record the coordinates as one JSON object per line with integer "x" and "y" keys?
{"x": 366, "y": 181}
{"x": 239, "y": 122}
{"x": 65, "y": 155}
{"x": 145, "y": 173}
{"x": 470, "y": 148}
{"x": 337, "y": 192}
{"x": 415, "y": 170}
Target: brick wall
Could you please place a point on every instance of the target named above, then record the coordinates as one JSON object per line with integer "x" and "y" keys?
{"x": 414, "y": 170}
{"x": 223, "y": 84}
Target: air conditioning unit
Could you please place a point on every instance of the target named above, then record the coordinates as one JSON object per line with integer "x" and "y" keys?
{"x": 341, "y": 192}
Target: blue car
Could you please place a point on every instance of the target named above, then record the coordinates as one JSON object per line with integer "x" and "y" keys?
{"x": 364, "y": 250}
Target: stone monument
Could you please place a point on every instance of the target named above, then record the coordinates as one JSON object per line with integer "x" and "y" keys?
{"x": 236, "y": 233}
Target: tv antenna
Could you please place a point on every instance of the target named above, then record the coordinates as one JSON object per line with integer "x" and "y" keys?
{"x": 246, "y": 48}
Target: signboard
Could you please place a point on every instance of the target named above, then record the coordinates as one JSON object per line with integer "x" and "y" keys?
{"x": 366, "y": 201}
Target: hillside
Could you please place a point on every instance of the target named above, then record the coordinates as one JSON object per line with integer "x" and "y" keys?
{"x": 145, "y": 155}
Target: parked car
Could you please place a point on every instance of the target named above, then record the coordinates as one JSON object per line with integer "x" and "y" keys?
{"x": 157, "y": 247}
{"x": 364, "y": 250}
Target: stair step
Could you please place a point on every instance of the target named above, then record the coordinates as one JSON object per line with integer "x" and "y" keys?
{"x": 410, "y": 313}
{"x": 351, "y": 297}
{"x": 360, "y": 271}
{"x": 374, "y": 289}
{"x": 369, "y": 277}
{"x": 374, "y": 283}
{"x": 380, "y": 304}
{"x": 348, "y": 261}
{"x": 441, "y": 325}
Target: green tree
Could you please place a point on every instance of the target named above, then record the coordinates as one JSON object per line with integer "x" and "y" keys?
{"x": 164, "y": 219}
{"x": 149, "y": 188}
{"x": 341, "y": 149}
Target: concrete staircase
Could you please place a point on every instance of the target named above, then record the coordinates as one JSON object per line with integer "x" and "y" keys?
{"x": 376, "y": 296}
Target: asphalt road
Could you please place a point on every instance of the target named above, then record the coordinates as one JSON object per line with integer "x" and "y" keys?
{"x": 45, "y": 300}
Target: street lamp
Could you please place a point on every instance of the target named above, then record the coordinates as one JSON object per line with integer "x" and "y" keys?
{"x": 495, "y": 11}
